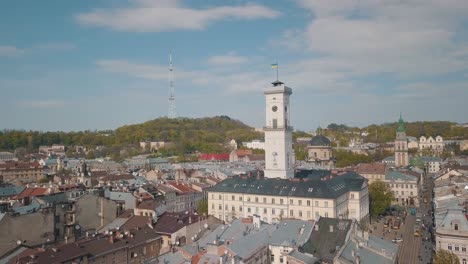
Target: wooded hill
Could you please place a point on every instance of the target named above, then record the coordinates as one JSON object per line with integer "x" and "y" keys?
{"x": 203, "y": 134}
{"x": 386, "y": 132}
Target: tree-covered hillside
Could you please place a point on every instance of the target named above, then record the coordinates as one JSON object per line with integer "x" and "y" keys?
{"x": 202, "y": 134}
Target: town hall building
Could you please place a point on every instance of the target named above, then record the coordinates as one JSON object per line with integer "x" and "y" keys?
{"x": 282, "y": 192}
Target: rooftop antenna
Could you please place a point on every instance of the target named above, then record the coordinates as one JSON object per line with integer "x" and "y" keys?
{"x": 172, "y": 107}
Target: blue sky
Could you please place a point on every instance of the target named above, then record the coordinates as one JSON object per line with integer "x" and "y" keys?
{"x": 76, "y": 65}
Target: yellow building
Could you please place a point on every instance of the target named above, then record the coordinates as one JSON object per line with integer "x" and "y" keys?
{"x": 310, "y": 195}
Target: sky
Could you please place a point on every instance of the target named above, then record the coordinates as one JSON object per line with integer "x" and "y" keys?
{"x": 101, "y": 64}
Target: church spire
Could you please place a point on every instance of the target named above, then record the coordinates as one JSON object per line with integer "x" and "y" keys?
{"x": 401, "y": 125}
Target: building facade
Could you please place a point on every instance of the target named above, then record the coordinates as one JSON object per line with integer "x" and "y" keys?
{"x": 279, "y": 154}
{"x": 404, "y": 187}
{"x": 433, "y": 145}
{"x": 20, "y": 172}
{"x": 452, "y": 233}
{"x": 320, "y": 151}
{"x": 401, "y": 145}
{"x": 342, "y": 196}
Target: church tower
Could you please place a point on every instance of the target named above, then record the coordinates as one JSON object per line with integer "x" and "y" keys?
{"x": 401, "y": 145}
{"x": 279, "y": 154}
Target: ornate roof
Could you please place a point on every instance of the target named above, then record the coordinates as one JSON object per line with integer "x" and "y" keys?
{"x": 319, "y": 140}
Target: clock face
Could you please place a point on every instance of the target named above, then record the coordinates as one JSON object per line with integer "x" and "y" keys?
{"x": 274, "y": 108}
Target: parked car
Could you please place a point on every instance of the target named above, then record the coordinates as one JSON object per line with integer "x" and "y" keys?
{"x": 397, "y": 240}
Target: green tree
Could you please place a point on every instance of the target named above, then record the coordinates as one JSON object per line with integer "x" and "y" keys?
{"x": 446, "y": 257}
{"x": 202, "y": 207}
{"x": 90, "y": 155}
{"x": 381, "y": 197}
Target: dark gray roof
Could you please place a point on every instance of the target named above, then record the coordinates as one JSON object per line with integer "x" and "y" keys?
{"x": 308, "y": 183}
{"x": 10, "y": 190}
{"x": 319, "y": 140}
{"x": 323, "y": 243}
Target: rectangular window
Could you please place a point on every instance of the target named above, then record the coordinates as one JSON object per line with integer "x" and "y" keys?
{"x": 300, "y": 202}
{"x": 282, "y": 212}
{"x": 232, "y": 198}
{"x": 291, "y": 201}
{"x": 326, "y": 214}
{"x": 220, "y": 198}
{"x": 248, "y": 198}
{"x": 308, "y": 202}
{"x": 233, "y": 209}
{"x": 291, "y": 212}
{"x": 273, "y": 211}
{"x": 240, "y": 208}
{"x": 352, "y": 196}
{"x": 300, "y": 213}
{"x": 240, "y": 198}
{"x": 264, "y": 210}
{"x": 402, "y": 192}
{"x": 275, "y": 123}
{"x": 326, "y": 204}
{"x": 316, "y": 203}
{"x": 256, "y": 199}
{"x": 273, "y": 200}
{"x": 308, "y": 214}
{"x": 226, "y": 207}
{"x": 281, "y": 201}
{"x": 248, "y": 209}
{"x": 457, "y": 248}
{"x": 264, "y": 200}
{"x": 212, "y": 196}
{"x": 212, "y": 206}
{"x": 256, "y": 210}
{"x": 449, "y": 246}
{"x": 463, "y": 249}
{"x": 220, "y": 207}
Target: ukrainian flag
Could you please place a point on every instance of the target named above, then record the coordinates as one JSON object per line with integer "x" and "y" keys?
{"x": 274, "y": 65}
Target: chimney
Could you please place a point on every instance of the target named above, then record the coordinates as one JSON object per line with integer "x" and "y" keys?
{"x": 331, "y": 228}
{"x": 111, "y": 239}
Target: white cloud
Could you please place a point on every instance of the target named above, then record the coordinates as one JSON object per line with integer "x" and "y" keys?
{"x": 147, "y": 16}
{"x": 10, "y": 51}
{"x": 42, "y": 104}
{"x": 406, "y": 39}
{"x": 229, "y": 59}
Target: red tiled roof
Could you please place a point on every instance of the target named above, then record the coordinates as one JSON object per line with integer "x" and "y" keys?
{"x": 112, "y": 178}
{"x": 372, "y": 168}
{"x": 30, "y": 192}
{"x": 17, "y": 165}
{"x": 216, "y": 157}
{"x": 170, "y": 223}
{"x": 181, "y": 187}
{"x": 148, "y": 205}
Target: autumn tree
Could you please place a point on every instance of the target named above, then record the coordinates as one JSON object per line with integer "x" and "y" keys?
{"x": 381, "y": 197}
{"x": 446, "y": 257}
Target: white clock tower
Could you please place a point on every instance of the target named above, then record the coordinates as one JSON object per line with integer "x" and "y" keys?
{"x": 279, "y": 154}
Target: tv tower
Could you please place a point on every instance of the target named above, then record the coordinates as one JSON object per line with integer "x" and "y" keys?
{"x": 172, "y": 107}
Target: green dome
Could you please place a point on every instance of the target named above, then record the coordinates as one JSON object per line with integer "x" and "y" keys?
{"x": 319, "y": 140}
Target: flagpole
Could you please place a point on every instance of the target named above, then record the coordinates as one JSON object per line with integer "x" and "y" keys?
{"x": 277, "y": 66}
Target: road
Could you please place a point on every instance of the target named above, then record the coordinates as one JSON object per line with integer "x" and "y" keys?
{"x": 410, "y": 247}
